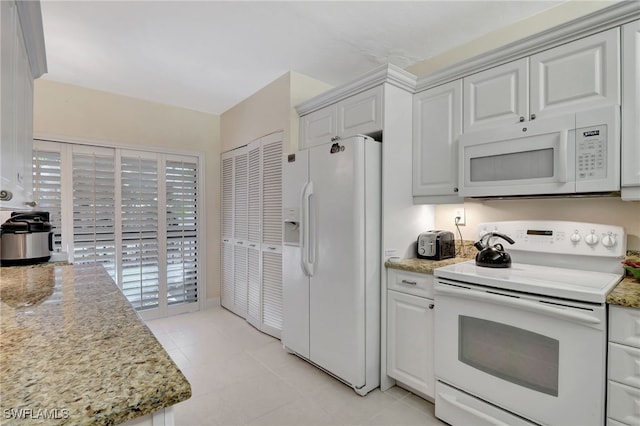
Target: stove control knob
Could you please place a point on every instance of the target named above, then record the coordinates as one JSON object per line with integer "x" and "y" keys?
{"x": 592, "y": 239}
{"x": 575, "y": 237}
{"x": 609, "y": 240}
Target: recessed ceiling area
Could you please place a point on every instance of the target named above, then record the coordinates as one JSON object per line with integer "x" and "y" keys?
{"x": 211, "y": 55}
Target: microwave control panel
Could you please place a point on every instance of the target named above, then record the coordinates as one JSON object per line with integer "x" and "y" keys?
{"x": 591, "y": 152}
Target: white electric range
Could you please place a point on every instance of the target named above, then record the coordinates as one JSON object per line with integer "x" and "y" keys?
{"x": 527, "y": 344}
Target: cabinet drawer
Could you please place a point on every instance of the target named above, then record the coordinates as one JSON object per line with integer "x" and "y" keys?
{"x": 624, "y": 364}
{"x": 624, "y": 326}
{"x": 622, "y": 403}
{"x": 410, "y": 282}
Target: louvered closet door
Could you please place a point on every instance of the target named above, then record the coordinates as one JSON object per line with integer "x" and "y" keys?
{"x": 240, "y": 228}
{"x": 272, "y": 234}
{"x": 94, "y": 207}
{"x": 140, "y": 281}
{"x": 254, "y": 299}
{"x": 227, "y": 287}
{"x": 181, "y": 198}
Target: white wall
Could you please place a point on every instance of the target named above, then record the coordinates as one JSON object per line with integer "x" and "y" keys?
{"x": 67, "y": 111}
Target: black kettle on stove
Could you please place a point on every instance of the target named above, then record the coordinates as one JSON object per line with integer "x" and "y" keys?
{"x": 492, "y": 256}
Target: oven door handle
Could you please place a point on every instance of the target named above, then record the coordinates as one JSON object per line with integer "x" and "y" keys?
{"x": 518, "y": 303}
{"x": 472, "y": 411}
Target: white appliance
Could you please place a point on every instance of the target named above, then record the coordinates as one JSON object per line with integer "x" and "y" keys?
{"x": 527, "y": 344}
{"x": 570, "y": 154}
{"x": 331, "y": 259}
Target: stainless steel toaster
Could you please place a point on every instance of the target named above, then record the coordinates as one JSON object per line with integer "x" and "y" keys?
{"x": 436, "y": 245}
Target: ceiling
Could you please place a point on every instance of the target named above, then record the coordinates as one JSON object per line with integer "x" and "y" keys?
{"x": 210, "y": 55}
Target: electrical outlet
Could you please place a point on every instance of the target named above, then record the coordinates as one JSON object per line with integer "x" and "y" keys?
{"x": 459, "y": 213}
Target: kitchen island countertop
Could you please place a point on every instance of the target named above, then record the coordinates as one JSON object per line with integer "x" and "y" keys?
{"x": 74, "y": 351}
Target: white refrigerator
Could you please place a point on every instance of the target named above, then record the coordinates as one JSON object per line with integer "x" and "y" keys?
{"x": 331, "y": 259}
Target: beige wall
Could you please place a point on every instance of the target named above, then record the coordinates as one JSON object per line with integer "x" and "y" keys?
{"x": 67, "y": 111}
{"x": 550, "y": 18}
{"x": 269, "y": 110}
{"x": 595, "y": 210}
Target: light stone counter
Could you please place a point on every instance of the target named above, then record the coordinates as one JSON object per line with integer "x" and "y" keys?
{"x": 74, "y": 351}
{"x": 424, "y": 266}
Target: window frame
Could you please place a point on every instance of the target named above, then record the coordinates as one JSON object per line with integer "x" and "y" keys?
{"x": 163, "y": 154}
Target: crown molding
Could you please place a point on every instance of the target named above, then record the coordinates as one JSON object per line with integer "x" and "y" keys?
{"x": 388, "y": 73}
{"x": 612, "y": 16}
{"x": 30, "y": 16}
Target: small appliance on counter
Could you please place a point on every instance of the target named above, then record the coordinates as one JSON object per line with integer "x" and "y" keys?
{"x": 436, "y": 245}
{"x": 26, "y": 238}
{"x": 492, "y": 256}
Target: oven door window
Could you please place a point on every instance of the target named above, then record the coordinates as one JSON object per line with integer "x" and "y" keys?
{"x": 513, "y": 354}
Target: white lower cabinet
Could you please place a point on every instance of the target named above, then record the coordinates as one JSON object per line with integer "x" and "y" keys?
{"x": 623, "y": 366}
{"x": 410, "y": 333}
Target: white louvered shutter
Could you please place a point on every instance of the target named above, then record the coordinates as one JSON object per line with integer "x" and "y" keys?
{"x": 47, "y": 185}
{"x": 254, "y": 222}
{"x": 94, "y": 207}
{"x": 181, "y": 180}
{"x": 226, "y": 291}
{"x": 240, "y": 231}
{"x": 272, "y": 234}
{"x": 139, "y": 227}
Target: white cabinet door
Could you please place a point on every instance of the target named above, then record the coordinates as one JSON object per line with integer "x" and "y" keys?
{"x": 227, "y": 289}
{"x": 410, "y": 336}
{"x": 319, "y": 126}
{"x": 583, "y": 73}
{"x": 16, "y": 113}
{"x": 271, "y": 287}
{"x": 254, "y": 226}
{"x": 631, "y": 111}
{"x": 497, "y": 96}
{"x": 361, "y": 113}
{"x": 358, "y": 114}
{"x": 240, "y": 230}
{"x": 437, "y": 125}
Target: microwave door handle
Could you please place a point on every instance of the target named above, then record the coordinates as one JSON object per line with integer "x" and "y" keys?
{"x": 563, "y": 174}
{"x": 519, "y": 304}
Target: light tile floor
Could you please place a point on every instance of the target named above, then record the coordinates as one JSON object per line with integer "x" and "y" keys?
{"x": 240, "y": 376}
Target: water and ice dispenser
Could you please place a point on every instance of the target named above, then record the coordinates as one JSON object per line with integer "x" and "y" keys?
{"x": 291, "y": 226}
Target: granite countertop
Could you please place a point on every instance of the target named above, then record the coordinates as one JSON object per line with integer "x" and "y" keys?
{"x": 627, "y": 293}
{"x": 424, "y": 266}
{"x": 73, "y": 348}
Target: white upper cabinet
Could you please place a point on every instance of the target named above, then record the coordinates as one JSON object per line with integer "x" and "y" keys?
{"x": 361, "y": 113}
{"x": 631, "y": 111}
{"x": 578, "y": 75}
{"x": 583, "y": 73}
{"x": 437, "y": 125}
{"x": 357, "y": 114}
{"x": 319, "y": 127}
{"x": 22, "y": 59}
{"x": 497, "y": 96}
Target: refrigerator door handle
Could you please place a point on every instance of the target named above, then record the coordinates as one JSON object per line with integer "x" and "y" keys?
{"x": 305, "y": 245}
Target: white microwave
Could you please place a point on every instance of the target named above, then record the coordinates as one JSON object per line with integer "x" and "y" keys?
{"x": 576, "y": 153}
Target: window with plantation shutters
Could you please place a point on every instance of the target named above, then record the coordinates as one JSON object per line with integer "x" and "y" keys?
{"x": 139, "y": 273}
{"x": 136, "y": 212}
{"x": 94, "y": 207}
{"x": 47, "y": 186}
{"x": 181, "y": 181}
